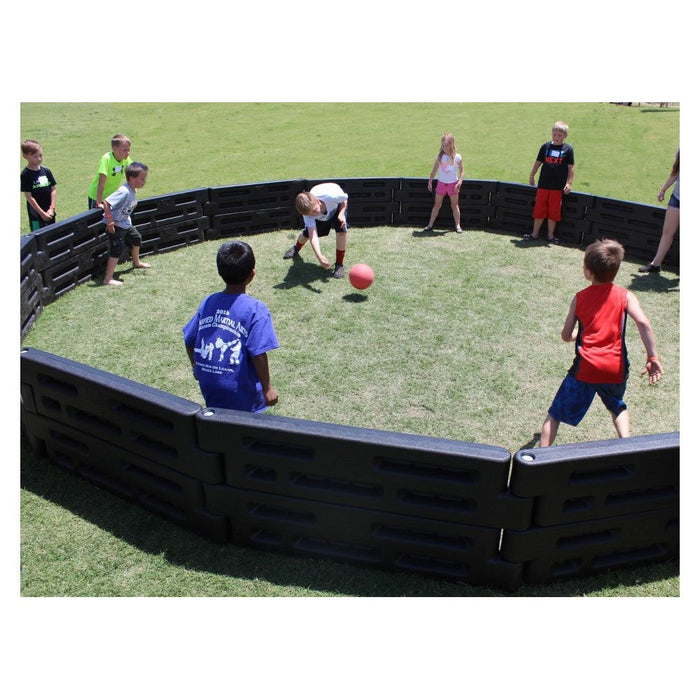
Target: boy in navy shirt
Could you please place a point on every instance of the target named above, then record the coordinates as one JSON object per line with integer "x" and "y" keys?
{"x": 39, "y": 187}
{"x": 556, "y": 159}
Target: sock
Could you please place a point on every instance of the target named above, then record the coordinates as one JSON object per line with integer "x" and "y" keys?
{"x": 339, "y": 257}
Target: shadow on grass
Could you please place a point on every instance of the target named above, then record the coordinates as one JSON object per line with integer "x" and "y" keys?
{"x": 355, "y": 298}
{"x": 305, "y": 274}
{"x": 422, "y": 233}
{"x": 645, "y": 282}
{"x": 152, "y": 534}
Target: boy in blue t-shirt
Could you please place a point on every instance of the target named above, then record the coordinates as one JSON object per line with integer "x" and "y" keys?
{"x": 228, "y": 339}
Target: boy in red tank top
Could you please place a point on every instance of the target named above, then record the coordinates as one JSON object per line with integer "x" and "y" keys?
{"x": 601, "y": 365}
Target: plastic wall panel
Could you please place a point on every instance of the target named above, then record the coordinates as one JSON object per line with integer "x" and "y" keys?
{"x": 253, "y": 197}
{"x": 30, "y": 285}
{"x": 363, "y": 190}
{"x": 62, "y": 242}
{"x": 364, "y": 537}
{"x": 172, "y": 235}
{"x": 70, "y": 273}
{"x": 593, "y": 546}
{"x": 514, "y": 196}
{"x": 637, "y": 226}
{"x": 586, "y": 481}
{"x": 171, "y": 208}
{"x": 413, "y": 475}
{"x": 164, "y": 490}
{"x": 247, "y": 222}
{"x": 129, "y": 415}
{"x": 638, "y": 245}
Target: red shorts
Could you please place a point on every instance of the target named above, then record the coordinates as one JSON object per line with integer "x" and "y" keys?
{"x": 446, "y": 188}
{"x": 548, "y": 205}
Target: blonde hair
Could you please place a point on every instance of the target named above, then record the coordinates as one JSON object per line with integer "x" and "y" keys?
{"x": 453, "y": 150}
{"x": 561, "y": 125}
{"x": 305, "y": 202}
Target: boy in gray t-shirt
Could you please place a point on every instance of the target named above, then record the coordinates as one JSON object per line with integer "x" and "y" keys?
{"x": 117, "y": 217}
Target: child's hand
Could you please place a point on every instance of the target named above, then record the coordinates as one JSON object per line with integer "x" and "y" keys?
{"x": 654, "y": 368}
{"x": 271, "y": 397}
{"x": 324, "y": 262}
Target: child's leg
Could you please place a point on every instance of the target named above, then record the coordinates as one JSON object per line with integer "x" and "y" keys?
{"x": 136, "y": 260}
{"x": 549, "y": 431}
{"x": 622, "y": 423}
{"x": 436, "y": 209}
{"x": 341, "y": 242}
{"x": 671, "y": 223}
{"x": 457, "y": 215}
{"x": 536, "y": 226}
{"x": 109, "y": 272}
{"x": 551, "y": 226}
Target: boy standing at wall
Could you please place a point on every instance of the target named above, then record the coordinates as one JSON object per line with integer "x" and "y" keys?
{"x": 39, "y": 187}
{"x": 110, "y": 171}
{"x": 556, "y": 159}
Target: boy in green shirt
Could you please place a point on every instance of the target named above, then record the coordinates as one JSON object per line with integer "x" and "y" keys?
{"x": 110, "y": 170}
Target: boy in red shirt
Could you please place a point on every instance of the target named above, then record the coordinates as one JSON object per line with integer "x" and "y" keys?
{"x": 601, "y": 365}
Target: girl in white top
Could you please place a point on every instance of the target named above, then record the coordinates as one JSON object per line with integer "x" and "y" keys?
{"x": 450, "y": 171}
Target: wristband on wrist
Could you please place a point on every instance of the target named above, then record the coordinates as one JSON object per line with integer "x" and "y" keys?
{"x": 652, "y": 358}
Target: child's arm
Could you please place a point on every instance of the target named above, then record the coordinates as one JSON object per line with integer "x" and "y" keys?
{"x": 568, "y": 332}
{"x": 436, "y": 165}
{"x": 569, "y": 180}
{"x": 461, "y": 176}
{"x": 341, "y": 212}
{"x": 316, "y": 247}
{"x": 263, "y": 369}
{"x": 108, "y": 216}
{"x": 652, "y": 366}
{"x": 671, "y": 179}
{"x": 35, "y": 205}
{"x": 535, "y": 167}
{"x": 100, "y": 189}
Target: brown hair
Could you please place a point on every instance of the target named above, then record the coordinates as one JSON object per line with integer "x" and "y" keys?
{"x": 120, "y": 140}
{"x": 30, "y": 146}
{"x": 603, "y": 258}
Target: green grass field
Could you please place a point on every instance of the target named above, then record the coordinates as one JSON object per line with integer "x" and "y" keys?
{"x": 505, "y": 303}
{"x": 189, "y": 145}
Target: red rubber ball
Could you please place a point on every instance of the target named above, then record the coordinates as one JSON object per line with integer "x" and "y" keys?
{"x": 361, "y": 276}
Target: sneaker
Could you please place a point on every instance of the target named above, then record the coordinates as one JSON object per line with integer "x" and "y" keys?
{"x": 654, "y": 269}
{"x": 291, "y": 253}
{"x": 339, "y": 271}
{"x": 530, "y": 237}
{"x": 427, "y": 229}
{"x": 459, "y": 229}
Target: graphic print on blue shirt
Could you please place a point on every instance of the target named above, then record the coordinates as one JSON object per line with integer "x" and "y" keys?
{"x": 227, "y": 332}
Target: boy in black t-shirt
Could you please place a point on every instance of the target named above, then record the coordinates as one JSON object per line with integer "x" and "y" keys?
{"x": 39, "y": 187}
{"x": 556, "y": 159}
